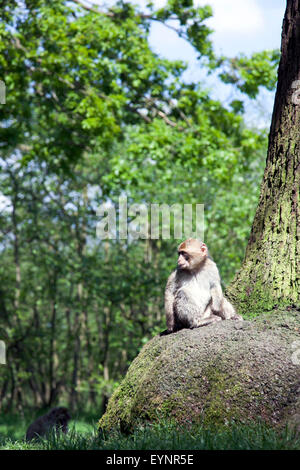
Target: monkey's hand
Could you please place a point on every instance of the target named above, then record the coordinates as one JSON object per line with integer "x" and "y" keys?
{"x": 237, "y": 317}
{"x": 229, "y": 311}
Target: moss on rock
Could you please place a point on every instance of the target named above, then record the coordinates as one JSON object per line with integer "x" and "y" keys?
{"x": 229, "y": 371}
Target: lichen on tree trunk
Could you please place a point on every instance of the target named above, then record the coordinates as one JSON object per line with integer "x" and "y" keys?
{"x": 269, "y": 275}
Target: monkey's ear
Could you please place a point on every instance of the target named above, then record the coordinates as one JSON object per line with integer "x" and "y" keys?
{"x": 203, "y": 248}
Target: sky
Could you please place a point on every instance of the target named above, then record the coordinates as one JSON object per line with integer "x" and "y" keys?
{"x": 240, "y": 26}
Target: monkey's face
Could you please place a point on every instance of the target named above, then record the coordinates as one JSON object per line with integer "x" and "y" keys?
{"x": 183, "y": 260}
{"x": 191, "y": 253}
{"x": 64, "y": 416}
{"x": 60, "y": 415}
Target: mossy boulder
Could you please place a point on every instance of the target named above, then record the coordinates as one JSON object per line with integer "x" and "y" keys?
{"x": 225, "y": 372}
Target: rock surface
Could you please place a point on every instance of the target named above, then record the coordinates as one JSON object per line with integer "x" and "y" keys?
{"x": 224, "y": 372}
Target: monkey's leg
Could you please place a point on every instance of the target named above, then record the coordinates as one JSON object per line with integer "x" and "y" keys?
{"x": 206, "y": 321}
{"x": 206, "y": 318}
{"x": 229, "y": 311}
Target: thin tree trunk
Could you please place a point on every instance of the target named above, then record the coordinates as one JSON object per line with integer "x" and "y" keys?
{"x": 76, "y": 355}
{"x": 35, "y": 392}
{"x": 106, "y": 344}
{"x": 53, "y": 353}
{"x": 269, "y": 277}
{"x": 3, "y": 393}
{"x": 16, "y": 251}
{"x": 80, "y": 232}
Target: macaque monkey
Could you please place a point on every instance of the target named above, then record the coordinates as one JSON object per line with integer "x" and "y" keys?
{"x": 193, "y": 295}
{"x": 57, "y": 419}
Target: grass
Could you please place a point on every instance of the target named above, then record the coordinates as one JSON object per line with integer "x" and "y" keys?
{"x": 83, "y": 435}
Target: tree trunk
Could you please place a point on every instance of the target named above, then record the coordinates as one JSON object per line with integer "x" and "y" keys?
{"x": 16, "y": 251}
{"x": 269, "y": 277}
{"x": 53, "y": 364}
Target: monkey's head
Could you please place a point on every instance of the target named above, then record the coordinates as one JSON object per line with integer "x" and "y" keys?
{"x": 191, "y": 253}
{"x": 60, "y": 415}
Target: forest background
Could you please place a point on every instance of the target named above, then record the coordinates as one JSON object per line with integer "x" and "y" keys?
{"x": 93, "y": 111}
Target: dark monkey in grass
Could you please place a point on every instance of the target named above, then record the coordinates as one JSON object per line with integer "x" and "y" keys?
{"x": 57, "y": 419}
{"x": 193, "y": 295}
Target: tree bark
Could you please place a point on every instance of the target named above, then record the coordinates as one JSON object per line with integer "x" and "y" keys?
{"x": 53, "y": 364}
{"x": 269, "y": 277}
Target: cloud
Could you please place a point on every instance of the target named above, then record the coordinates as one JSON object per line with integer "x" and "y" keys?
{"x": 232, "y": 16}
{"x": 239, "y": 25}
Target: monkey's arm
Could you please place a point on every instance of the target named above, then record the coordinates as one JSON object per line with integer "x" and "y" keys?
{"x": 169, "y": 302}
{"x": 221, "y": 306}
{"x": 217, "y": 299}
